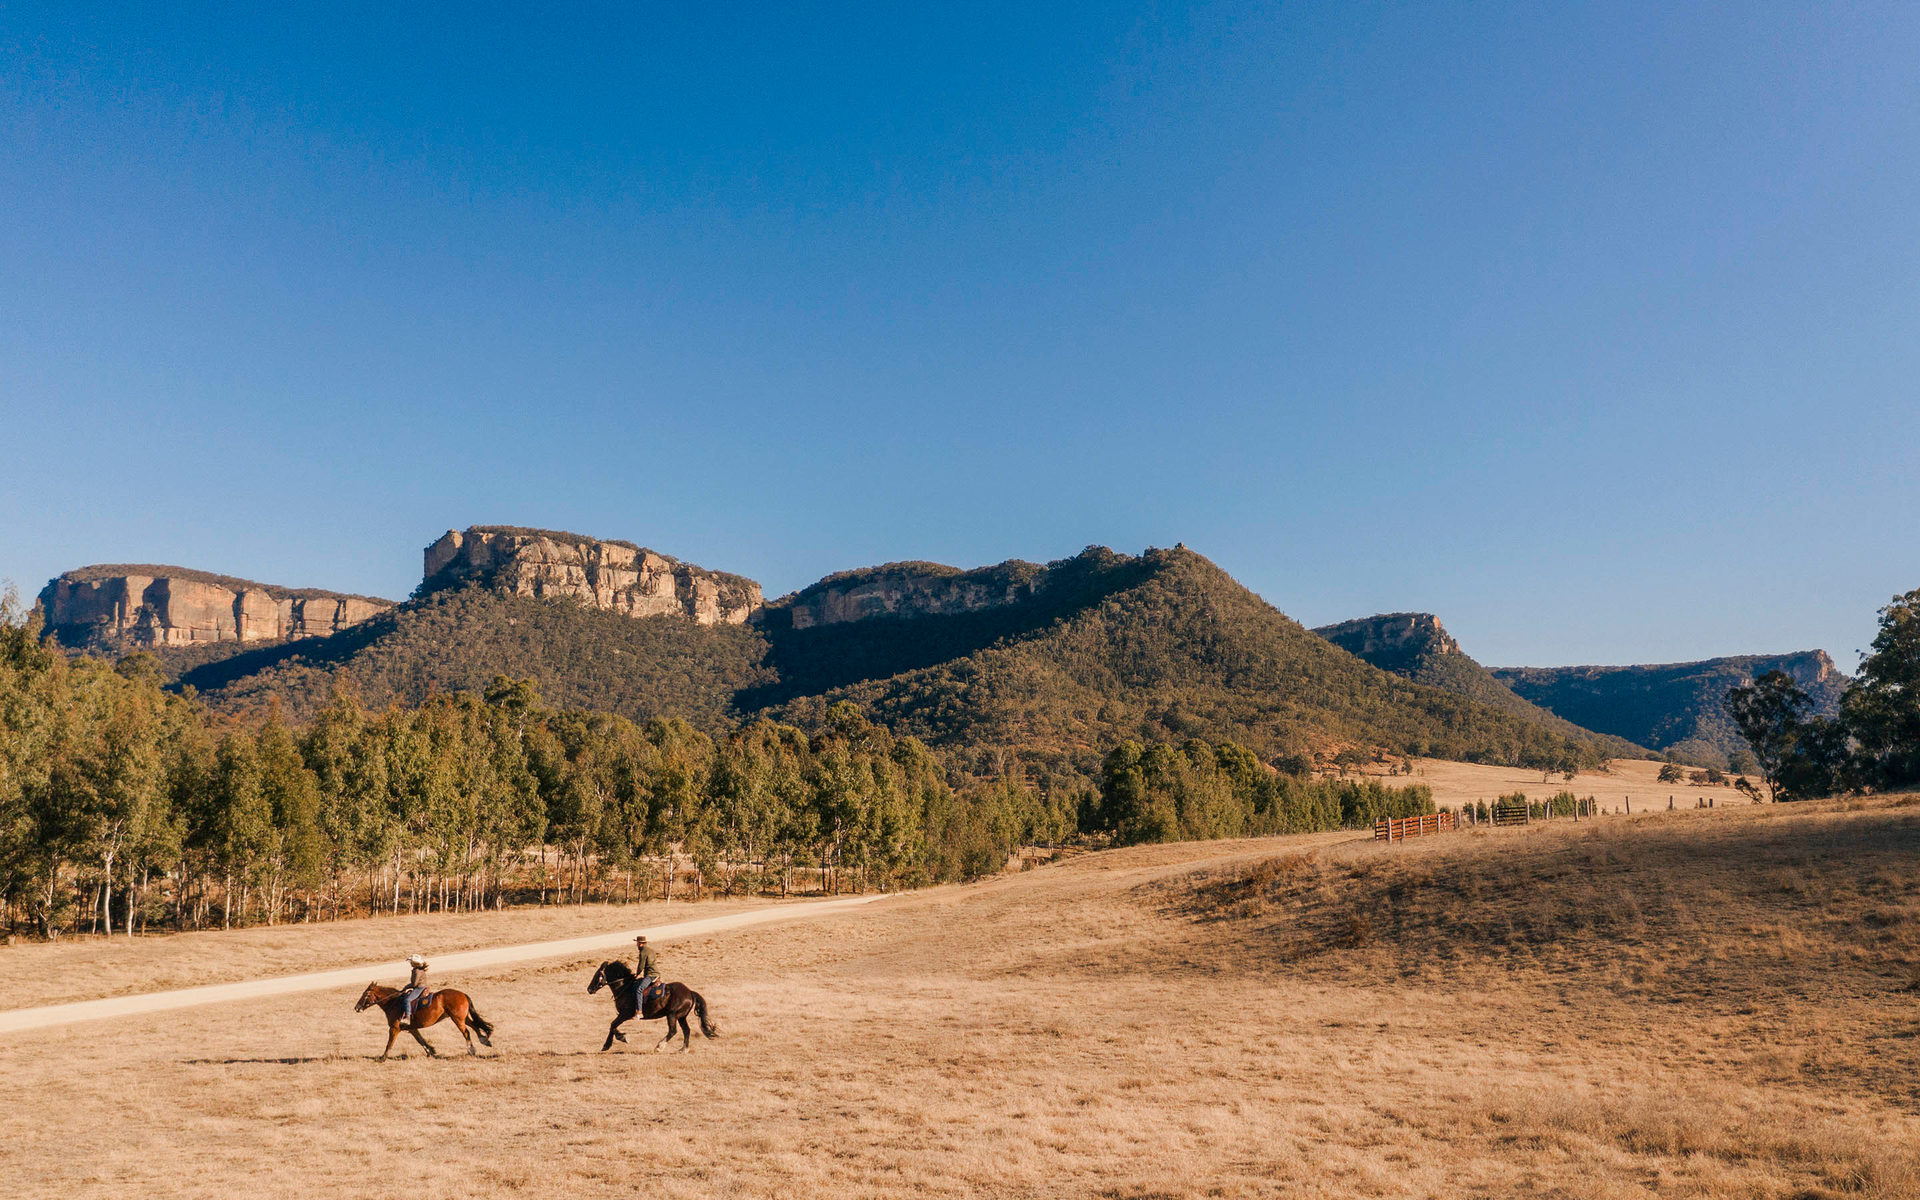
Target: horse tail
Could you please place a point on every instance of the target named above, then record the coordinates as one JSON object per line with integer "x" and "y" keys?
{"x": 480, "y": 1024}
{"x": 706, "y": 1027}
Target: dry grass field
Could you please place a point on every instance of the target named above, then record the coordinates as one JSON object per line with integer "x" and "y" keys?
{"x": 91, "y": 967}
{"x": 1708, "y": 1004}
{"x": 1455, "y": 783}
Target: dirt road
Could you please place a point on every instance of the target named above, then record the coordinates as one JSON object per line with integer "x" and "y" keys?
{"x": 121, "y": 1006}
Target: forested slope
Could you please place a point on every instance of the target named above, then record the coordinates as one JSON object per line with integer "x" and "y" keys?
{"x": 1183, "y": 650}
{"x": 1093, "y": 650}
{"x": 458, "y": 641}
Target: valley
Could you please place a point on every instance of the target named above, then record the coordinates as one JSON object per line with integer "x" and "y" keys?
{"x": 1710, "y": 1003}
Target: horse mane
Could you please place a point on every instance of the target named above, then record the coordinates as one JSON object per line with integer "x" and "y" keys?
{"x": 617, "y": 971}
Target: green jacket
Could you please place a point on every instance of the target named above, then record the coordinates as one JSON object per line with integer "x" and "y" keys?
{"x": 647, "y": 965}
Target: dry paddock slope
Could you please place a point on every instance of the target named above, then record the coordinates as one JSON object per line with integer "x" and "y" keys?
{"x": 1711, "y": 1004}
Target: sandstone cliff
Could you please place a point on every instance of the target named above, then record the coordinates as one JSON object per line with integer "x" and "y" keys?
{"x": 1391, "y": 636}
{"x": 615, "y": 576}
{"x": 121, "y": 607}
{"x": 905, "y": 589}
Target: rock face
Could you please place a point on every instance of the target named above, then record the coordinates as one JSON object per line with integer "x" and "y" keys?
{"x": 1391, "y": 636}
{"x": 612, "y": 575}
{"x": 120, "y": 608}
{"x": 910, "y": 589}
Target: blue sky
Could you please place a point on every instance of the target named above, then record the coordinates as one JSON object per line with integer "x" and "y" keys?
{"x": 1592, "y": 330}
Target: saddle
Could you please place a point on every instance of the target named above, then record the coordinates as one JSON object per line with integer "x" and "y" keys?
{"x": 652, "y": 991}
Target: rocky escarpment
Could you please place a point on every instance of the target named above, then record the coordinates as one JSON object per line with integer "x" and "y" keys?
{"x": 1392, "y": 641}
{"x": 122, "y": 607}
{"x": 905, "y": 589}
{"x": 615, "y": 576}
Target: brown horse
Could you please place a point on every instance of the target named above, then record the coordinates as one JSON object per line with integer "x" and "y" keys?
{"x": 670, "y": 1000}
{"x": 445, "y": 1004}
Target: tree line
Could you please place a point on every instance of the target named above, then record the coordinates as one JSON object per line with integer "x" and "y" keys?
{"x": 125, "y": 806}
{"x": 1871, "y": 745}
{"x": 1200, "y": 790}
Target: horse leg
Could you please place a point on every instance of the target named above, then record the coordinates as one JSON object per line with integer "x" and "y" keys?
{"x": 662, "y": 1043}
{"x": 415, "y": 1031}
{"x": 393, "y": 1031}
{"x": 460, "y": 1023}
{"x": 686, "y": 1035}
{"x": 613, "y": 1031}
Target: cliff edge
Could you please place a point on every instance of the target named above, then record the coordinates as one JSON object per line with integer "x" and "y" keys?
{"x": 607, "y": 574}
{"x": 118, "y": 607}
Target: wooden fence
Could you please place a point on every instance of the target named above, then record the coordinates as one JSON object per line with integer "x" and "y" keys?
{"x": 1399, "y": 829}
{"x": 1512, "y": 813}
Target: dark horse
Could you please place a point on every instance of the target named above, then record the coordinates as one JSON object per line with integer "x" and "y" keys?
{"x": 670, "y": 1000}
{"x": 445, "y": 1004}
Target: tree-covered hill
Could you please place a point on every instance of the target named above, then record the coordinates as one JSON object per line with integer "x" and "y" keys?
{"x": 1176, "y": 648}
{"x": 1091, "y": 651}
{"x": 810, "y": 661}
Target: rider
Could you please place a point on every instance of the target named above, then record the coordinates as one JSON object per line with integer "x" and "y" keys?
{"x": 415, "y": 989}
{"x": 647, "y": 969}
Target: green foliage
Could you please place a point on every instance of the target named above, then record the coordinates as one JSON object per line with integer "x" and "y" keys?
{"x": 1197, "y": 790}
{"x": 1881, "y": 711}
{"x": 112, "y": 788}
{"x": 1874, "y": 742}
{"x": 459, "y": 641}
{"x": 1800, "y": 755}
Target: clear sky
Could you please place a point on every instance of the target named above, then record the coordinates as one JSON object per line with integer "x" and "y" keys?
{"x": 1593, "y": 329}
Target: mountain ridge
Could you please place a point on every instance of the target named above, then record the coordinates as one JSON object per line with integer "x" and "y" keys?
{"x": 1161, "y": 645}
{"x": 1416, "y": 646}
{"x": 1677, "y": 708}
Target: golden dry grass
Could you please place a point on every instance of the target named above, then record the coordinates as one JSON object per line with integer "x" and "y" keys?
{"x": 1302, "y": 1016}
{"x": 1456, "y": 783}
{"x": 85, "y": 968}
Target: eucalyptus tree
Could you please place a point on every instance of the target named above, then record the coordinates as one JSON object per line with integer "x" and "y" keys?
{"x": 1881, "y": 710}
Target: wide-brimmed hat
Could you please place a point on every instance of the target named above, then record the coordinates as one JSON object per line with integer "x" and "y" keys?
{"x": 642, "y": 939}
{"x": 414, "y": 960}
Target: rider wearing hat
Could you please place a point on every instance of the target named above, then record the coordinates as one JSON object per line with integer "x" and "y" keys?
{"x": 416, "y": 986}
{"x": 647, "y": 969}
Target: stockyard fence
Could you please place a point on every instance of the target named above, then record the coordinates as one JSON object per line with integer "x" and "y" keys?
{"x": 1399, "y": 829}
